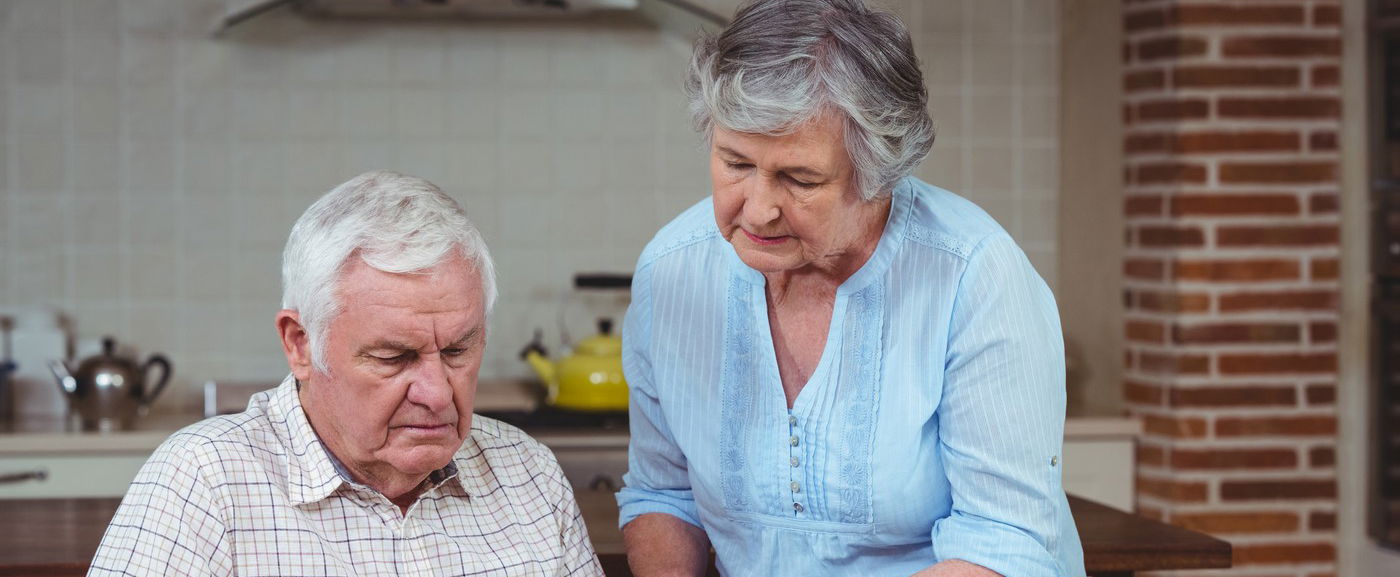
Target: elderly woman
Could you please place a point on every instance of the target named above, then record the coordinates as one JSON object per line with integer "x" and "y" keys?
{"x": 836, "y": 368}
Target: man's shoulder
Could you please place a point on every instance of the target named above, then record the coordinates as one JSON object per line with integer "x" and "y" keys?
{"x": 245, "y": 437}
{"x": 491, "y": 434}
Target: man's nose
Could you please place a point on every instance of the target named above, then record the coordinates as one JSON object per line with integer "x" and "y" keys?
{"x": 431, "y": 387}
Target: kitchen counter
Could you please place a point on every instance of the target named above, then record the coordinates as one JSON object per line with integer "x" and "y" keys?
{"x": 59, "y": 537}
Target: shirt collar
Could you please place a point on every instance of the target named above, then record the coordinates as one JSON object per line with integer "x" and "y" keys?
{"x": 314, "y": 473}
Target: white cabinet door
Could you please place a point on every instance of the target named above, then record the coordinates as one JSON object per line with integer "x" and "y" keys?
{"x": 69, "y": 475}
{"x": 1100, "y": 470}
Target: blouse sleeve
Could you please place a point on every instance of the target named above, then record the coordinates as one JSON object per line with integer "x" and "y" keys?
{"x": 658, "y": 477}
{"x": 1001, "y": 418}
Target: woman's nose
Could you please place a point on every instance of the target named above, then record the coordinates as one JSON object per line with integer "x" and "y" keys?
{"x": 761, "y": 202}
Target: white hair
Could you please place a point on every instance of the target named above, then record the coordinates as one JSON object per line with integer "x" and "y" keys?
{"x": 394, "y": 223}
{"x": 781, "y": 63}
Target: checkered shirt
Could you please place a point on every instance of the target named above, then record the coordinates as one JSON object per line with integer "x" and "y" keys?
{"x": 258, "y": 494}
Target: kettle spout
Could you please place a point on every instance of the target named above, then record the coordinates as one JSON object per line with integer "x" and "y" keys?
{"x": 65, "y": 379}
{"x": 542, "y": 367}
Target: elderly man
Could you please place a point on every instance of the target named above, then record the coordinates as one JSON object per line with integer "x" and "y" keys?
{"x": 366, "y": 460}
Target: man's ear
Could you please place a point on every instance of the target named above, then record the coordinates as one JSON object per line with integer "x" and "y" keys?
{"x": 296, "y": 343}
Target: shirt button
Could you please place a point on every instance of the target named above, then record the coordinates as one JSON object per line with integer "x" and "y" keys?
{"x": 793, "y": 461}
{"x": 1054, "y": 460}
{"x": 793, "y": 440}
{"x": 795, "y": 487}
{"x": 797, "y": 507}
{"x": 792, "y": 421}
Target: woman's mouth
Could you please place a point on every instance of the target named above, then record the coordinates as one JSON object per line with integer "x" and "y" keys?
{"x": 764, "y": 240}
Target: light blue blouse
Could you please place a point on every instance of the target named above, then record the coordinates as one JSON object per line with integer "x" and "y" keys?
{"x": 930, "y": 430}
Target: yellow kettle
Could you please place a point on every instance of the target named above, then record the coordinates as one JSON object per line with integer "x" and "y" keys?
{"x": 590, "y": 379}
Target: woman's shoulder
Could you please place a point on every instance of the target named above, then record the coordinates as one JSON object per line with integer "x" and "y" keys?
{"x": 943, "y": 220}
{"x": 693, "y": 226}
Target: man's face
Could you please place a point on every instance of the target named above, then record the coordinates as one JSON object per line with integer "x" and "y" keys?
{"x": 403, "y": 356}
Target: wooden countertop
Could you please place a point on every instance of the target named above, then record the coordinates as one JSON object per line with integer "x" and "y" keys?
{"x": 59, "y": 537}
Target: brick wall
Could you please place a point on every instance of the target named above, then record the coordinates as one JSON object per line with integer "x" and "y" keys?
{"x": 1231, "y": 114}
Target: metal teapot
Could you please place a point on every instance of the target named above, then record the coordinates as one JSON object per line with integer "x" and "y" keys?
{"x": 108, "y": 392}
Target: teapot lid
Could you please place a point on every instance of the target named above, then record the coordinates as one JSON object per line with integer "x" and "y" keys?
{"x": 603, "y": 344}
{"x": 107, "y": 362}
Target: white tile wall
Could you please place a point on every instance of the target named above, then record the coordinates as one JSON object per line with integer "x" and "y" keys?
{"x": 149, "y": 173}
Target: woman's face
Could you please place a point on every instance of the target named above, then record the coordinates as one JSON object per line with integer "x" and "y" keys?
{"x": 788, "y": 202}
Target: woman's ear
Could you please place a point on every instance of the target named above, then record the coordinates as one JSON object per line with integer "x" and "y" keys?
{"x": 296, "y": 343}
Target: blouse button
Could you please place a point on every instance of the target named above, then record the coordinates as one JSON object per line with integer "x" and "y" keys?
{"x": 1054, "y": 460}
{"x": 793, "y": 461}
{"x": 797, "y": 507}
{"x": 793, "y": 440}
{"x": 792, "y": 421}
{"x": 795, "y": 487}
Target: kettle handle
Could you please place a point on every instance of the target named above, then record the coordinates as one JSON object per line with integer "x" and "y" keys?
{"x": 164, "y": 365}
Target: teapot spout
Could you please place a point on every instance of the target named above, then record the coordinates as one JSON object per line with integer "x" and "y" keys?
{"x": 65, "y": 379}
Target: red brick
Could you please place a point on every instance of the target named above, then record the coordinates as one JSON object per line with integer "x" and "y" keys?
{"x": 1144, "y": 269}
{"x": 1283, "y": 553}
{"x": 1322, "y": 141}
{"x": 1301, "y": 235}
{"x": 1273, "y": 107}
{"x": 1216, "y": 396}
{"x": 1177, "y": 109}
{"x": 1243, "y": 522}
{"x": 1322, "y": 457}
{"x": 1150, "y": 455}
{"x": 1322, "y": 521}
{"x": 1150, "y": 142}
{"x": 1170, "y": 47}
{"x": 1170, "y": 173}
{"x": 1305, "y": 426}
{"x": 1277, "y": 173}
{"x": 1237, "y": 141}
{"x": 1322, "y": 332}
{"x": 1307, "y": 300}
{"x": 1144, "y": 80}
{"x": 1218, "y": 76}
{"x": 1326, "y": 76}
{"x": 1234, "y": 205}
{"x": 1325, "y": 203}
{"x": 1235, "y": 270}
{"x": 1271, "y": 490}
{"x": 1144, "y": 20}
{"x": 1212, "y": 333}
{"x": 1142, "y": 393}
{"x": 1322, "y": 395}
{"x": 1223, "y": 459}
{"x": 1145, "y": 332}
{"x": 1174, "y": 427}
{"x": 1324, "y": 269}
{"x": 1177, "y": 491}
{"x": 1326, "y": 16}
{"x": 1173, "y": 364}
{"x": 1270, "y": 363}
{"x": 1281, "y": 46}
{"x": 1173, "y": 302}
{"x": 1155, "y": 236}
{"x": 1150, "y": 205}
{"x": 1235, "y": 15}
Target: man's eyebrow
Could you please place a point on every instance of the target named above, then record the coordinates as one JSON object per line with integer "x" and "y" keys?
{"x": 465, "y": 339}
{"x": 730, "y": 151}
{"x": 388, "y": 345}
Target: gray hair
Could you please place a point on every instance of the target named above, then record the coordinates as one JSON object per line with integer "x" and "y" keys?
{"x": 781, "y": 63}
{"x": 394, "y": 223}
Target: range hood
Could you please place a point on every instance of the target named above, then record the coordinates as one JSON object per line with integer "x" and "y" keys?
{"x": 237, "y": 11}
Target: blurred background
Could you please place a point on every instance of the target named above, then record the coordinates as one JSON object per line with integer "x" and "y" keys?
{"x": 1202, "y": 183}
